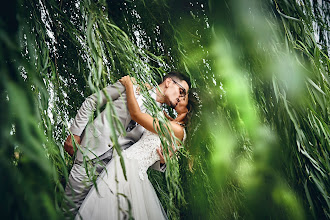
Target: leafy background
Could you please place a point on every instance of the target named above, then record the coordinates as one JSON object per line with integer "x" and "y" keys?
{"x": 258, "y": 148}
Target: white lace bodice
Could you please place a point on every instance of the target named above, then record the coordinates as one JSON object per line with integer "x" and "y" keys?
{"x": 144, "y": 151}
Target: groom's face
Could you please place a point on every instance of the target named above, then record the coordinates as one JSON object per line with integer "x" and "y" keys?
{"x": 175, "y": 92}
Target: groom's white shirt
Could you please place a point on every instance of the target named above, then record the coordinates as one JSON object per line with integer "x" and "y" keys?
{"x": 95, "y": 135}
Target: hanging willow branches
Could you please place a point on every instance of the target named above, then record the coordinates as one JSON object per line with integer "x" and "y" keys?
{"x": 259, "y": 147}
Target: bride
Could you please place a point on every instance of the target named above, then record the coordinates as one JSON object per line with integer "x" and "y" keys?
{"x": 118, "y": 198}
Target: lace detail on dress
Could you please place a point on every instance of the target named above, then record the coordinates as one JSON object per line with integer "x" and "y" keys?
{"x": 145, "y": 152}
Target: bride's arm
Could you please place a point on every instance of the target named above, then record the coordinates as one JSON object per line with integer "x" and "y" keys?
{"x": 168, "y": 117}
{"x": 144, "y": 119}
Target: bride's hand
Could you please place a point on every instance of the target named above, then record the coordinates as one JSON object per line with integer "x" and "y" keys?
{"x": 167, "y": 116}
{"x": 126, "y": 81}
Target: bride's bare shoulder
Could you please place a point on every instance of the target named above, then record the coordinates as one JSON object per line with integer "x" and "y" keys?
{"x": 177, "y": 129}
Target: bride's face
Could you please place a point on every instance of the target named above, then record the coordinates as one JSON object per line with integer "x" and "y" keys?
{"x": 181, "y": 107}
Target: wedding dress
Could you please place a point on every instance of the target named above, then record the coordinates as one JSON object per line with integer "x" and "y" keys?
{"x": 120, "y": 199}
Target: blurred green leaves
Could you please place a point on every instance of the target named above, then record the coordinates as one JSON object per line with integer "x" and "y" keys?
{"x": 258, "y": 147}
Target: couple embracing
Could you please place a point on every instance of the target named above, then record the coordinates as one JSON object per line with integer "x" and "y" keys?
{"x": 116, "y": 196}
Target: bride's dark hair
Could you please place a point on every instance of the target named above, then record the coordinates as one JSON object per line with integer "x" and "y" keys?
{"x": 193, "y": 105}
{"x": 192, "y": 120}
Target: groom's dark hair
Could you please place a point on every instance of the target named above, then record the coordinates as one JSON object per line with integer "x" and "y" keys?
{"x": 177, "y": 76}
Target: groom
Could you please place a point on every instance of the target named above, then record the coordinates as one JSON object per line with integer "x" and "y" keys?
{"x": 95, "y": 139}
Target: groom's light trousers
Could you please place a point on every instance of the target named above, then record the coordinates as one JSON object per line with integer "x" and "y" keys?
{"x": 79, "y": 183}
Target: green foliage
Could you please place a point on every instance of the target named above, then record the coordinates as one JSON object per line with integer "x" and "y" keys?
{"x": 258, "y": 146}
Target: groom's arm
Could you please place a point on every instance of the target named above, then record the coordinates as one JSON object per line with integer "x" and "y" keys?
{"x": 159, "y": 166}
{"x": 90, "y": 104}
{"x": 86, "y": 110}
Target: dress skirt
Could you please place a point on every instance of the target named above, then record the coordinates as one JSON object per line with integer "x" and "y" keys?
{"x": 118, "y": 198}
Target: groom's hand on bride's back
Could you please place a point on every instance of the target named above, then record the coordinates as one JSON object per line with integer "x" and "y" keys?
{"x": 68, "y": 146}
{"x": 161, "y": 155}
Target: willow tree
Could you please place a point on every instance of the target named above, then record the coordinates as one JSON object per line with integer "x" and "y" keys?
{"x": 258, "y": 147}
